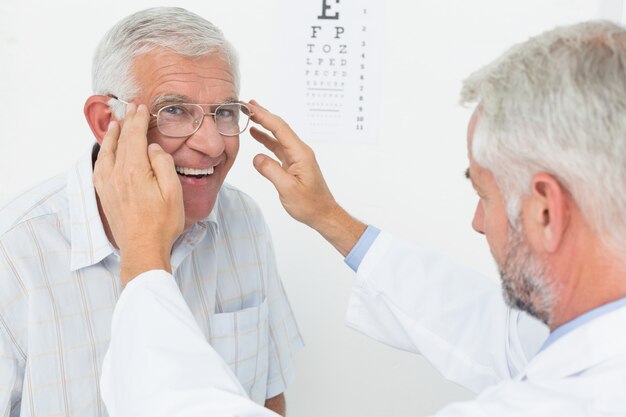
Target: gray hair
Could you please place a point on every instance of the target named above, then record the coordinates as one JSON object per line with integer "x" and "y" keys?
{"x": 557, "y": 104}
{"x": 184, "y": 32}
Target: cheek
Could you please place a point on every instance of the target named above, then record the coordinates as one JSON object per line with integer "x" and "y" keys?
{"x": 496, "y": 231}
{"x": 231, "y": 149}
{"x": 169, "y": 145}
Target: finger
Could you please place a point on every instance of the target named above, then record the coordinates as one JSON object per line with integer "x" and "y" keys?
{"x": 256, "y": 103}
{"x": 281, "y": 130}
{"x": 106, "y": 155}
{"x": 164, "y": 171}
{"x": 121, "y": 145}
{"x": 269, "y": 142}
{"x": 138, "y": 145}
{"x": 272, "y": 170}
{"x": 109, "y": 142}
{"x": 133, "y": 143}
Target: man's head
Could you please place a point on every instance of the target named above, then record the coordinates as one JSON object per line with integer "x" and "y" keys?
{"x": 548, "y": 140}
{"x": 525, "y": 282}
{"x": 162, "y": 57}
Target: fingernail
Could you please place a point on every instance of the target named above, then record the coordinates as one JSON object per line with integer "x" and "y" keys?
{"x": 142, "y": 108}
{"x": 129, "y": 107}
{"x": 154, "y": 147}
{"x": 111, "y": 124}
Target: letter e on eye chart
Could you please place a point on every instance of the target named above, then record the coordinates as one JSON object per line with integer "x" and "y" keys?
{"x": 328, "y": 68}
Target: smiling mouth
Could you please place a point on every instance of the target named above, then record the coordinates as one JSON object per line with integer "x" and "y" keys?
{"x": 194, "y": 173}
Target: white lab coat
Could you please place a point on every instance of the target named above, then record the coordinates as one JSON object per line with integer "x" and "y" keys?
{"x": 420, "y": 302}
{"x": 159, "y": 365}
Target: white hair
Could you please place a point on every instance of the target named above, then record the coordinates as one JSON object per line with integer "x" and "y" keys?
{"x": 174, "y": 28}
{"x": 557, "y": 104}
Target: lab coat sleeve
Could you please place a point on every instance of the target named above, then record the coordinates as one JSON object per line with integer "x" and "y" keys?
{"x": 421, "y": 302}
{"x": 160, "y": 365}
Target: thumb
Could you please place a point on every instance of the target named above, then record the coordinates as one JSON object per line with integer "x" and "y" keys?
{"x": 164, "y": 170}
{"x": 272, "y": 170}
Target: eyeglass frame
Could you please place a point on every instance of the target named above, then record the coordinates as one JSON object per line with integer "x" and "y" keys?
{"x": 156, "y": 116}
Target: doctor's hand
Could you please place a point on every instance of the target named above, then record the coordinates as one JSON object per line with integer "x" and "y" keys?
{"x": 299, "y": 181}
{"x": 140, "y": 194}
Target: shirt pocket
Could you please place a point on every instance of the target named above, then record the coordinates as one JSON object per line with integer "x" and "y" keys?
{"x": 242, "y": 340}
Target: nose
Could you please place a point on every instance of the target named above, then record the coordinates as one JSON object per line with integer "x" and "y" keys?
{"x": 207, "y": 139}
{"x": 478, "y": 220}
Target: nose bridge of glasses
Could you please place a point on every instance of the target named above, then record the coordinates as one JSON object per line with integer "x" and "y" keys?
{"x": 198, "y": 113}
{"x": 200, "y": 116}
{"x": 205, "y": 109}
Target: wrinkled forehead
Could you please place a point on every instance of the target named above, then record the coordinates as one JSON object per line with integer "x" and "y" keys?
{"x": 159, "y": 64}
{"x": 204, "y": 79}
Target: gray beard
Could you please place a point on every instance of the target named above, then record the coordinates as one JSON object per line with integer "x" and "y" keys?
{"x": 525, "y": 279}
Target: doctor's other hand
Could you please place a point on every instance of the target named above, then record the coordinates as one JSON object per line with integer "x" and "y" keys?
{"x": 300, "y": 183}
{"x": 140, "y": 194}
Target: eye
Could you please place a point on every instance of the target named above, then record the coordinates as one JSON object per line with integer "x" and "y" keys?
{"x": 174, "y": 110}
{"x": 225, "y": 112}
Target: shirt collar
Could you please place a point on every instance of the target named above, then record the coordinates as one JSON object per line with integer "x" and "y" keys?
{"x": 196, "y": 234}
{"x": 213, "y": 215}
{"x": 89, "y": 241}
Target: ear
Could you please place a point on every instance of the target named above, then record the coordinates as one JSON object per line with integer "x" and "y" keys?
{"x": 98, "y": 115}
{"x": 546, "y": 212}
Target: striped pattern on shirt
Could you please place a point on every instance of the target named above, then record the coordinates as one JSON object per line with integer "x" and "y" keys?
{"x": 59, "y": 281}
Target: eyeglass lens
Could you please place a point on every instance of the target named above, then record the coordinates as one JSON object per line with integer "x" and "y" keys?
{"x": 179, "y": 120}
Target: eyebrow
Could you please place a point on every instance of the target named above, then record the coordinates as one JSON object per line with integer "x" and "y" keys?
{"x": 169, "y": 98}
{"x": 179, "y": 98}
{"x": 469, "y": 177}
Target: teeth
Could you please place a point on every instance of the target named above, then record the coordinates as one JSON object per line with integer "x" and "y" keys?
{"x": 194, "y": 171}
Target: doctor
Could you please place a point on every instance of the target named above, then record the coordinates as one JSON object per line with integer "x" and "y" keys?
{"x": 547, "y": 158}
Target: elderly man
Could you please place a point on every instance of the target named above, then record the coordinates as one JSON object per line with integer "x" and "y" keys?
{"x": 547, "y": 158}
{"x": 60, "y": 264}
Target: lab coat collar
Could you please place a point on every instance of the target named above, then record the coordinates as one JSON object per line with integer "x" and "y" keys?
{"x": 584, "y": 347}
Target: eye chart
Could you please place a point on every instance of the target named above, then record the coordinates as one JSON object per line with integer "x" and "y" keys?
{"x": 328, "y": 68}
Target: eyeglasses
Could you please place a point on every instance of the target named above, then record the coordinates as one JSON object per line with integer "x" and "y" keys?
{"x": 181, "y": 120}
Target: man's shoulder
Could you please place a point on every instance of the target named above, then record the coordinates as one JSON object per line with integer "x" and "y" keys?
{"x": 239, "y": 215}
{"x": 46, "y": 199}
{"x": 233, "y": 201}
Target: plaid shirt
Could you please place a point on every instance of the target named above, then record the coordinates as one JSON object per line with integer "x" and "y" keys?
{"x": 59, "y": 282}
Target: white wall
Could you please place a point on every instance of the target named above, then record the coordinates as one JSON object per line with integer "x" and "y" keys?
{"x": 411, "y": 182}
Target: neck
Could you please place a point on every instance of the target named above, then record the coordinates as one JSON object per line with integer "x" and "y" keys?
{"x": 596, "y": 279}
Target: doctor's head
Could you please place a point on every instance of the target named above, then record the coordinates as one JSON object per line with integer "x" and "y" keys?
{"x": 183, "y": 69}
{"x": 547, "y": 151}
